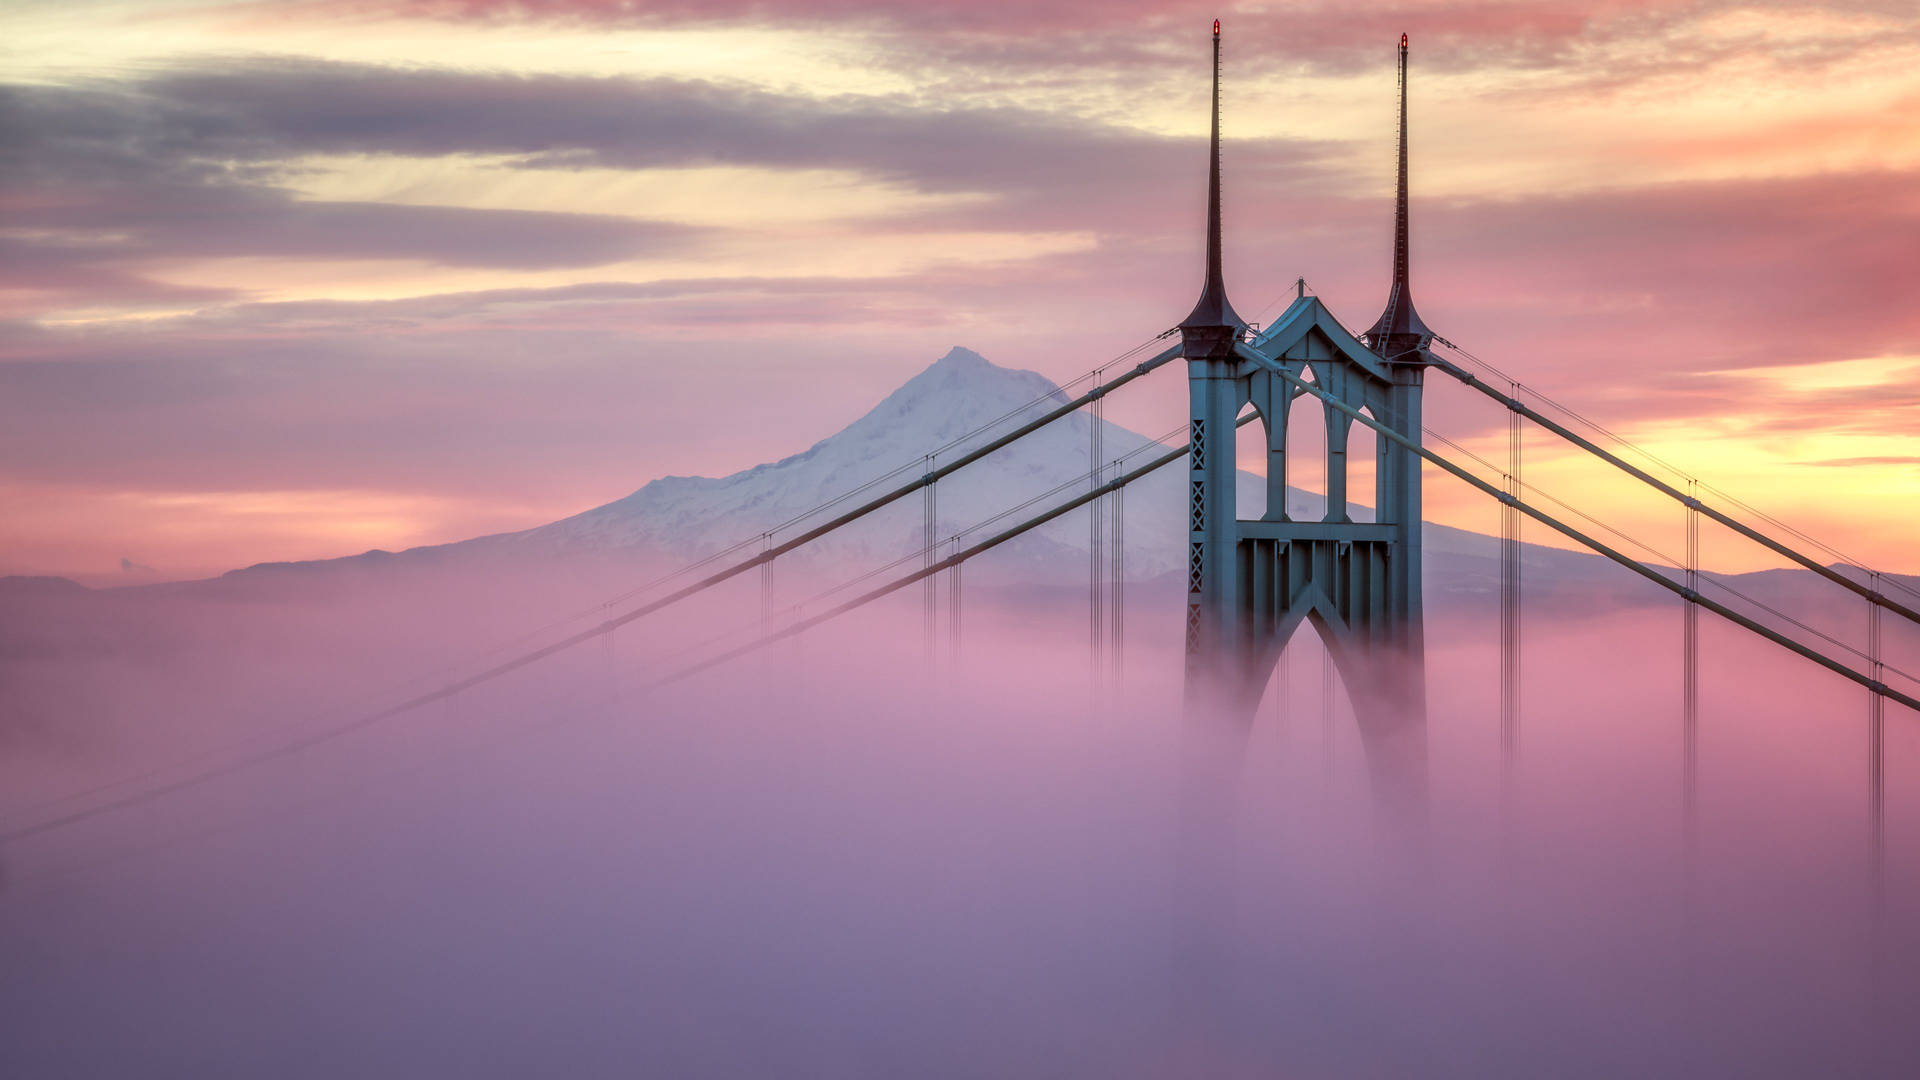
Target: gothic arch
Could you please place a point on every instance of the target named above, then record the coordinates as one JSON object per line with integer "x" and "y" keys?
{"x": 1260, "y": 434}
{"x": 1256, "y": 577}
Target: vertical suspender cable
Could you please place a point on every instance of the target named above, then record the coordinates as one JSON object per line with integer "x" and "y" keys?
{"x": 1118, "y": 588}
{"x": 1876, "y": 761}
{"x": 930, "y": 533}
{"x": 1282, "y": 684}
{"x": 766, "y": 591}
{"x": 1690, "y": 673}
{"x": 1506, "y": 598}
{"x": 953, "y": 608}
{"x": 1510, "y": 600}
{"x": 1094, "y": 560}
{"x": 1519, "y": 571}
{"x": 766, "y": 584}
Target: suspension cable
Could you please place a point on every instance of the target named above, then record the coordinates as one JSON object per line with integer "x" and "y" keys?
{"x": 1670, "y": 561}
{"x": 1872, "y": 594}
{"x": 1280, "y": 371}
{"x": 1684, "y": 476}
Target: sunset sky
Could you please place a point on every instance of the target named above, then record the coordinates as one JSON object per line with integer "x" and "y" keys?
{"x": 293, "y": 280}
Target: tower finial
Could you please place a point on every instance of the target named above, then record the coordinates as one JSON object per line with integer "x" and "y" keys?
{"x": 1399, "y": 328}
{"x": 1210, "y": 329}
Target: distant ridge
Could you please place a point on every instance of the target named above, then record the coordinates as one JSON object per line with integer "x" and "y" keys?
{"x": 37, "y": 585}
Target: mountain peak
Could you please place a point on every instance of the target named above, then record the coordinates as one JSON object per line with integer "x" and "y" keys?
{"x": 953, "y": 395}
{"x": 961, "y": 356}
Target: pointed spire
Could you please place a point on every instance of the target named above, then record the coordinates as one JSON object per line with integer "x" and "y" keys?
{"x": 1399, "y": 328}
{"x": 1212, "y": 326}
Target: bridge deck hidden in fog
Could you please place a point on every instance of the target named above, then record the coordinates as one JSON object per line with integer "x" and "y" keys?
{"x": 1252, "y": 583}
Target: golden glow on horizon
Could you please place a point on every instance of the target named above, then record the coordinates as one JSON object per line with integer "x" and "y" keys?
{"x": 193, "y": 533}
{"x": 1779, "y": 457}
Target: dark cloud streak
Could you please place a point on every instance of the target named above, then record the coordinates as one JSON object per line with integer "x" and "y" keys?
{"x": 203, "y": 163}
{"x": 97, "y": 182}
{"x": 264, "y": 112}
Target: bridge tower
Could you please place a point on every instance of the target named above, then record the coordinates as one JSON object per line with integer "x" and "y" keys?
{"x": 1251, "y": 583}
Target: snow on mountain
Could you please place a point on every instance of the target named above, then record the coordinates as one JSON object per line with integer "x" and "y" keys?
{"x": 693, "y": 516}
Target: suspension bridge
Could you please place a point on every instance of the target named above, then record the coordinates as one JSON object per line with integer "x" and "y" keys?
{"x": 1250, "y": 583}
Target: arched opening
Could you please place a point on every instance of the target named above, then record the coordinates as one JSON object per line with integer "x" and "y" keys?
{"x": 1365, "y": 449}
{"x": 1306, "y": 455}
{"x": 1304, "y": 730}
{"x": 1250, "y": 453}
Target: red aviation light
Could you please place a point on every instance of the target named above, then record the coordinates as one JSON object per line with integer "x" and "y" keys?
{"x": 1403, "y": 38}
{"x": 1216, "y": 28}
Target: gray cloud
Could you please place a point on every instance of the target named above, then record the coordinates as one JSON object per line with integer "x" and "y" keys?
{"x": 99, "y": 181}
{"x": 196, "y": 163}
{"x": 263, "y": 112}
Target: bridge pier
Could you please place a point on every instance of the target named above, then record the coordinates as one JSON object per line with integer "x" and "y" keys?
{"x": 1253, "y": 583}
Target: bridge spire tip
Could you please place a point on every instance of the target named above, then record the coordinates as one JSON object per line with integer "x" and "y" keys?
{"x": 1213, "y": 325}
{"x": 1399, "y": 328}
